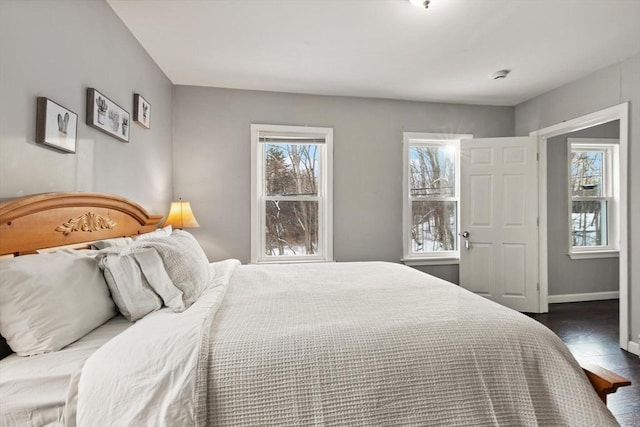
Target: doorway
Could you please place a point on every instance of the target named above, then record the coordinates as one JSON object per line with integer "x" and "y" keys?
{"x": 582, "y": 196}
{"x": 618, "y": 112}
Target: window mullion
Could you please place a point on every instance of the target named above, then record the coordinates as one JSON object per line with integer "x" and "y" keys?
{"x": 293, "y": 198}
{"x": 589, "y": 198}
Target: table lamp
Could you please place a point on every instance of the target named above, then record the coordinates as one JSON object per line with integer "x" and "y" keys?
{"x": 181, "y": 216}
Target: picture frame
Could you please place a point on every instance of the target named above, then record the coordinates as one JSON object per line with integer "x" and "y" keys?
{"x": 107, "y": 116}
{"x": 141, "y": 111}
{"x": 56, "y": 126}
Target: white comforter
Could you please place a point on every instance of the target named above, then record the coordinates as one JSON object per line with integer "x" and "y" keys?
{"x": 149, "y": 374}
{"x": 336, "y": 344}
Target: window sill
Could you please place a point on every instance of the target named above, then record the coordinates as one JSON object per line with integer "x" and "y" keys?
{"x": 291, "y": 261}
{"x": 417, "y": 262}
{"x": 594, "y": 254}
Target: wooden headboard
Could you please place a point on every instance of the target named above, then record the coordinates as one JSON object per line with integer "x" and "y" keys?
{"x": 47, "y": 220}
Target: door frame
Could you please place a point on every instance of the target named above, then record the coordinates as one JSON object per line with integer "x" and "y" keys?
{"x": 618, "y": 112}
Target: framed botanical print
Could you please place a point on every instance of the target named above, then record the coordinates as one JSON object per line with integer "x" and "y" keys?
{"x": 56, "y": 126}
{"x": 141, "y": 111}
{"x": 107, "y": 116}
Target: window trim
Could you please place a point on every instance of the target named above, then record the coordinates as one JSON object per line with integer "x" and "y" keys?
{"x": 611, "y": 148}
{"x": 408, "y": 141}
{"x": 324, "y": 197}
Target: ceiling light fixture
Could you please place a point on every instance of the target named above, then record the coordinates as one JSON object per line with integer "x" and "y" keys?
{"x": 501, "y": 74}
{"x": 420, "y": 3}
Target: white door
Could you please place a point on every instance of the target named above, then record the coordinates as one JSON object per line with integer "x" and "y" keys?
{"x": 499, "y": 211}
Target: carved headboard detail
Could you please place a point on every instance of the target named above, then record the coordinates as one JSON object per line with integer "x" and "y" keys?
{"x": 59, "y": 219}
{"x": 90, "y": 221}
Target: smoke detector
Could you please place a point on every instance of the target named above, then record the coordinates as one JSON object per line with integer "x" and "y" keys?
{"x": 420, "y": 3}
{"x": 499, "y": 75}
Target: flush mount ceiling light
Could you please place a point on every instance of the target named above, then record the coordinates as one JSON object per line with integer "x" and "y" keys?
{"x": 499, "y": 75}
{"x": 420, "y": 3}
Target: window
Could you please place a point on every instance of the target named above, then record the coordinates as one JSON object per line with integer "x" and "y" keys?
{"x": 431, "y": 188}
{"x": 593, "y": 190}
{"x": 291, "y": 193}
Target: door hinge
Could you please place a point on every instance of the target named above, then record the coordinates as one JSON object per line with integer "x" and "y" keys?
{"x": 538, "y": 156}
{"x": 538, "y": 221}
{"x": 538, "y": 286}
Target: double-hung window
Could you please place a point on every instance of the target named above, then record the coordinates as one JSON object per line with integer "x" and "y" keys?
{"x": 594, "y": 195}
{"x": 291, "y": 193}
{"x": 431, "y": 188}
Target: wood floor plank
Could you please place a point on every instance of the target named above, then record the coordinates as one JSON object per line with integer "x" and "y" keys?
{"x": 628, "y": 420}
{"x": 590, "y": 330}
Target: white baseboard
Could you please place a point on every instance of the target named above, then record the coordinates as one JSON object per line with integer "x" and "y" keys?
{"x": 593, "y": 296}
{"x": 633, "y": 347}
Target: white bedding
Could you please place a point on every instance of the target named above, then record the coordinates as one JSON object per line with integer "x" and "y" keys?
{"x": 337, "y": 344}
{"x": 150, "y": 375}
{"x": 41, "y": 390}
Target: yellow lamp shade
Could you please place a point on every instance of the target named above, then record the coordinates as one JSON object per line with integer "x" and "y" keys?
{"x": 181, "y": 216}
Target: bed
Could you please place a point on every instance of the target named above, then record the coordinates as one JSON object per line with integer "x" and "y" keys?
{"x": 368, "y": 343}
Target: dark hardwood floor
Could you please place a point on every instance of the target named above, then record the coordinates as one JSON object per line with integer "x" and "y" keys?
{"x": 590, "y": 330}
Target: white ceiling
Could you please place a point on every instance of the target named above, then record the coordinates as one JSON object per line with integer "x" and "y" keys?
{"x": 385, "y": 48}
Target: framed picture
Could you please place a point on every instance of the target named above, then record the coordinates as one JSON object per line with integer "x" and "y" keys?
{"x": 107, "y": 116}
{"x": 56, "y": 126}
{"x": 141, "y": 111}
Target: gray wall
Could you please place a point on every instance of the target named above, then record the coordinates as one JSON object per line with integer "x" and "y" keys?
{"x": 212, "y": 162}
{"x": 57, "y": 49}
{"x": 567, "y": 276}
{"x": 605, "y": 88}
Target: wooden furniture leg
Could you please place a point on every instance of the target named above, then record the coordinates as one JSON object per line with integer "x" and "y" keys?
{"x": 604, "y": 381}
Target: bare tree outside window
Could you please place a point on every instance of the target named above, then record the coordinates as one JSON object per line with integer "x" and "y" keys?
{"x": 291, "y": 226}
{"x": 291, "y": 193}
{"x": 589, "y": 205}
{"x": 432, "y": 175}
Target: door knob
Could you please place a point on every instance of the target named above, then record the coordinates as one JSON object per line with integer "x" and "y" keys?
{"x": 465, "y": 235}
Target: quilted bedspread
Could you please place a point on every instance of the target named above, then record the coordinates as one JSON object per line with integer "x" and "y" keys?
{"x": 376, "y": 344}
{"x": 353, "y": 344}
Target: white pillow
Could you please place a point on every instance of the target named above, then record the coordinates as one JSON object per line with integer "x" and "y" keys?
{"x": 110, "y": 243}
{"x": 50, "y": 300}
{"x": 182, "y": 260}
{"x": 186, "y": 264}
{"x": 138, "y": 281}
{"x": 124, "y": 241}
{"x": 160, "y": 232}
